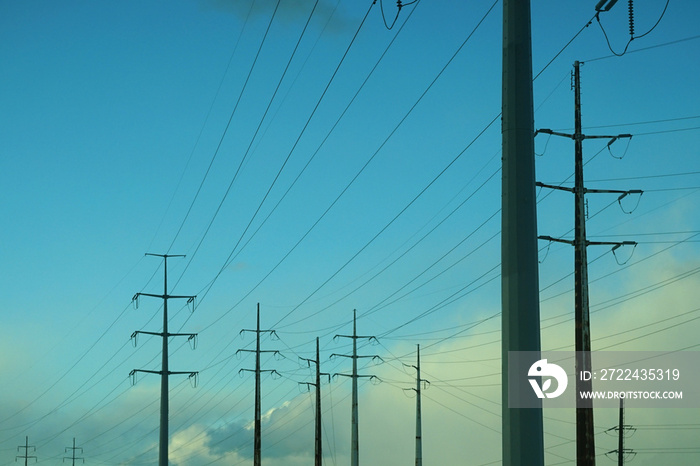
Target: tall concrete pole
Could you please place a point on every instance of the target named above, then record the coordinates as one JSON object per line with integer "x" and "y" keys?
{"x": 522, "y": 439}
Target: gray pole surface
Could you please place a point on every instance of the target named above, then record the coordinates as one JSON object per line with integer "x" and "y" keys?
{"x": 354, "y": 440}
{"x": 258, "y": 433}
{"x": 419, "y": 434}
{"x": 164, "y": 405}
{"x": 318, "y": 441}
{"x": 522, "y": 438}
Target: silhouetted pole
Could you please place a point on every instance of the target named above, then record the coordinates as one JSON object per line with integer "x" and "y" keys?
{"x": 419, "y": 434}
{"x": 165, "y": 371}
{"x": 257, "y": 442}
{"x": 258, "y": 422}
{"x": 522, "y": 441}
{"x": 621, "y": 436}
{"x": 318, "y": 443}
{"x": 317, "y": 437}
{"x": 354, "y": 436}
{"x": 26, "y": 448}
{"x": 73, "y": 450}
{"x": 585, "y": 435}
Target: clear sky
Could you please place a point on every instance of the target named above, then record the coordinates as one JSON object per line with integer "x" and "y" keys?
{"x": 320, "y": 157}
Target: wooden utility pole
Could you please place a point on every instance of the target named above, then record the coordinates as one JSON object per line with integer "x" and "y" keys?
{"x": 585, "y": 436}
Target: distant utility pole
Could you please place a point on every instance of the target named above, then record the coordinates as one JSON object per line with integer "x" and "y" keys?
{"x": 621, "y": 451}
{"x": 257, "y": 351}
{"x": 419, "y": 435}
{"x": 26, "y": 448}
{"x": 585, "y": 439}
{"x": 522, "y": 440}
{"x": 164, "y": 372}
{"x": 354, "y": 437}
{"x": 318, "y": 450}
{"x": 73, "y": 449}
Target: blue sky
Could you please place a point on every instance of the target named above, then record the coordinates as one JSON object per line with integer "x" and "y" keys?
{"x": 183, "y": 128}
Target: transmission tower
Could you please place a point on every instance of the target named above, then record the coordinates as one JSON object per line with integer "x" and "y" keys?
{"x": 257, "y": 351}
{"x": 73, "y": 449}
{"x": 164, "y": 372}
{"x": 419, "y": 435}
{"x": 318, "y": 449}
{"x": 354, "y": 437}
{"x": 585, "y": 440}
{"x": 26, "y": 448}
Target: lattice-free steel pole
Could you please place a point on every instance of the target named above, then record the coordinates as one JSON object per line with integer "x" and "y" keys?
{"x": 522, "y": 440}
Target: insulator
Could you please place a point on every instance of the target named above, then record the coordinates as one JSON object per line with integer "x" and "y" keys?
{"x": 630, "y": 7}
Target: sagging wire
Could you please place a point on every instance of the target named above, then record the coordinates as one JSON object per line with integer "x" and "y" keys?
{"x": 545, "y": 146}
{"x": 623, "y": 195}
{"x": 624, "y": 243}
{"x": 629, "y": 140}
{"x": 399, "y": 5}
{"x": 546, "y": 253}
{"x": 606, "y": 5}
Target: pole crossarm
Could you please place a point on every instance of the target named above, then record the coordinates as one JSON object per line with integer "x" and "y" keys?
{"x": 164, "y": 296}
{"x": 612, "y": 138}
{"x": 274, "y": 371}
{"x": 190, "y": 373}
{"x": 356, "y": 356}
{"x": 617, "y": 244}
{"x": 551, "y": 186}
{"x": 623, "y": 192}
{"x": 160, "y": 334}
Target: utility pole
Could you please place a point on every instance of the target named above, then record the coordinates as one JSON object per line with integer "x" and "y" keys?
{"x": 73, "y": 450}
{"x": 318, "y": 449}
{"x": 419, "y": 435}
{"x": 257, "y": 351}
{"x": 26, "y": 448}
{"x": 522, "y": 439}
{"x": 585, "y": 439}
{"x": 621, "y": 451}
{"x": 354, "y": 436}
{"x": 164, "y": 372}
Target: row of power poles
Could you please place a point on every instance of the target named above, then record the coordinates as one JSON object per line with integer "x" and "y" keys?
{"x": 26, "y": 457}
{"x": 257, "y": 459}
